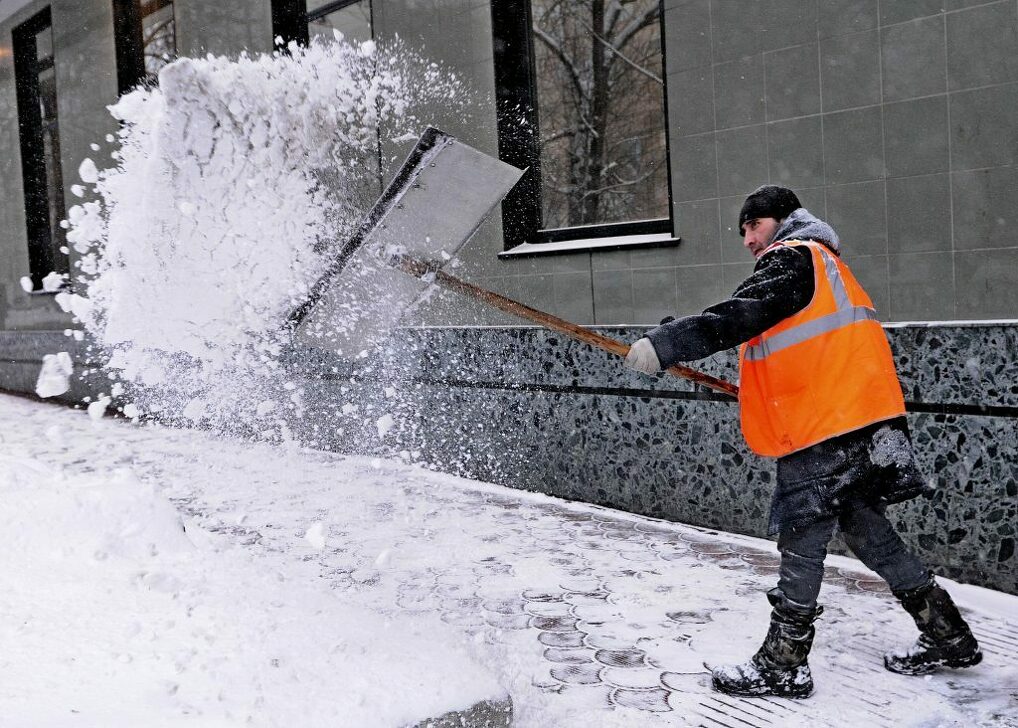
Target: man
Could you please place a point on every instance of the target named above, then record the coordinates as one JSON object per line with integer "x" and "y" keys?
{"x": 819, "y": 392}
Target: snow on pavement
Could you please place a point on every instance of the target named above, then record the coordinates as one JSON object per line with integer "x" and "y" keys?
{"x": 309, "y": 581}
{"x": 113, "y": 615}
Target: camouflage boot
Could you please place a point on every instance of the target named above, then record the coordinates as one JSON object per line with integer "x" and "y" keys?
{"x": 779, "y": 667}
{"x": 945, "y": 639}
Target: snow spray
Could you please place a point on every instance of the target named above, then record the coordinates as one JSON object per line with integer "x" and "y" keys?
{"x": 234, "y": 182}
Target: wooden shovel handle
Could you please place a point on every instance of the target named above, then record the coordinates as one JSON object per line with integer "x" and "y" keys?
{"x": 432, "y": 272}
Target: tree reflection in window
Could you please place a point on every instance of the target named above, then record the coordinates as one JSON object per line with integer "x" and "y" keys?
{"x": 145, "y": 38}
{"x": 600, "y": 99}
{"x": 159, "y": 36}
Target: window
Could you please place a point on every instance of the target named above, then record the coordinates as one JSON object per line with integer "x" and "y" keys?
{"x": 35, "y": 80}
{"x": 301, "y": 20}
{"x": 352, "y": 19}
{"x": 581, "y": 98}
{"x": 146, "y": 40}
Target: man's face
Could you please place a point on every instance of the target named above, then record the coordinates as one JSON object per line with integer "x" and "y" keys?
{"x": 758, "y": 233}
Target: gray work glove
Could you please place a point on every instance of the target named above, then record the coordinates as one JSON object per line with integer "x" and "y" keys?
{"x": 642, "y": 357}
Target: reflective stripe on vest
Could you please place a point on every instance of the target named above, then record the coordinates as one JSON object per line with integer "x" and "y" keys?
{"x": 846, "y": 315}
{"x": 809, "y": 329}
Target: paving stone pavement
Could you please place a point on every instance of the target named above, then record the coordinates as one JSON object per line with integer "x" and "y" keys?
{"x": 589, "y": 607}
{"x": 585, "y": 646}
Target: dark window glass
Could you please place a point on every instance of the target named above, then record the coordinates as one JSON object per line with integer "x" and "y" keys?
{"x": 40, "y": 146}
{"x": 146, "y": 40}
{"x": 584, "y": 80}
{"x": 51, "y": 155}
{"x": 289, "y": 22}
{"x": 601, "y": 104}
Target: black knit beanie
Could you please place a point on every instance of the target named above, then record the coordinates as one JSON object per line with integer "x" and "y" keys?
{"x": 768, "y": 201}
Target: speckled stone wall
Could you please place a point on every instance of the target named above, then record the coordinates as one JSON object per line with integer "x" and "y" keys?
{"x": 529, "y": 409}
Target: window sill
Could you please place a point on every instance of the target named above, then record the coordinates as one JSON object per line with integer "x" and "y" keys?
{"x": 589, "y": 245}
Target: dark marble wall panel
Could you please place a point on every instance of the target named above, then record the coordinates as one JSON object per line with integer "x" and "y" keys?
{"x": 958, "y": 363}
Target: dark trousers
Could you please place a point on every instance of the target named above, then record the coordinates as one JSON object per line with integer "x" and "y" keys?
{"x": 870, "y": 536}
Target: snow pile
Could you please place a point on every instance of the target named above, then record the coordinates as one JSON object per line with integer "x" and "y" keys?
{"x": 115, "y": 616}
{"x": 82, "y": 522}
{"x": 235, "y": 182}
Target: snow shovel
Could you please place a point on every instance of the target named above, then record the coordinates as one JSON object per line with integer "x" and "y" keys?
{"x": 435, "y": 203}
{"x": 439, "y": 198}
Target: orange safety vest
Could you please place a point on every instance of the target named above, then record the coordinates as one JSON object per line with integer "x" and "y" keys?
{"x": 821, "y": 372}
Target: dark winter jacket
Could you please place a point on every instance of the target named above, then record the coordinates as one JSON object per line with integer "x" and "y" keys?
{"x": 781, "y": 285}
{"x": 821, "y": 480}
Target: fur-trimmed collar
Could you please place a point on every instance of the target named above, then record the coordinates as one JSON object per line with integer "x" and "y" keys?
{"x": 802, "y": 225}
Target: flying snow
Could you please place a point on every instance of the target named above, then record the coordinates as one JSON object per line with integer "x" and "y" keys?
{"x": 235, "y": 182}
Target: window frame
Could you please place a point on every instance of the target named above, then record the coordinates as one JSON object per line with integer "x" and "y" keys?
{"x": 518, "y": 122}
{"x": 44, "y": 242}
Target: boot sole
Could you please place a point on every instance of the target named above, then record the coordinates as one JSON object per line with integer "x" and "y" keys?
{"x": 933, "y": 667}
{"x": 762, "y": 693}
{"x": 970, "y": 661}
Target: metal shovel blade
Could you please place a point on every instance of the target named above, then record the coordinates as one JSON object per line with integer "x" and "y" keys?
{"x": 435, "y": 203}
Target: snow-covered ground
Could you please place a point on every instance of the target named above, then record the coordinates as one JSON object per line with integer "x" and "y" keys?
{"x": 113, "y": 615}
{"x": 314, "y": 589}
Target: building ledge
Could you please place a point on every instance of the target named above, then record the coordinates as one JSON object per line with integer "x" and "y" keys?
{"x": 586, "y": 245}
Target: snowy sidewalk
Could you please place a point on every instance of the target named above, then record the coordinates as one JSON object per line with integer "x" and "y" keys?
{"x": 590, "y": 617}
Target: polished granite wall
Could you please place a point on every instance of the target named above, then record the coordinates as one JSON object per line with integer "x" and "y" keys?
{"x": 526, "y": 408}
